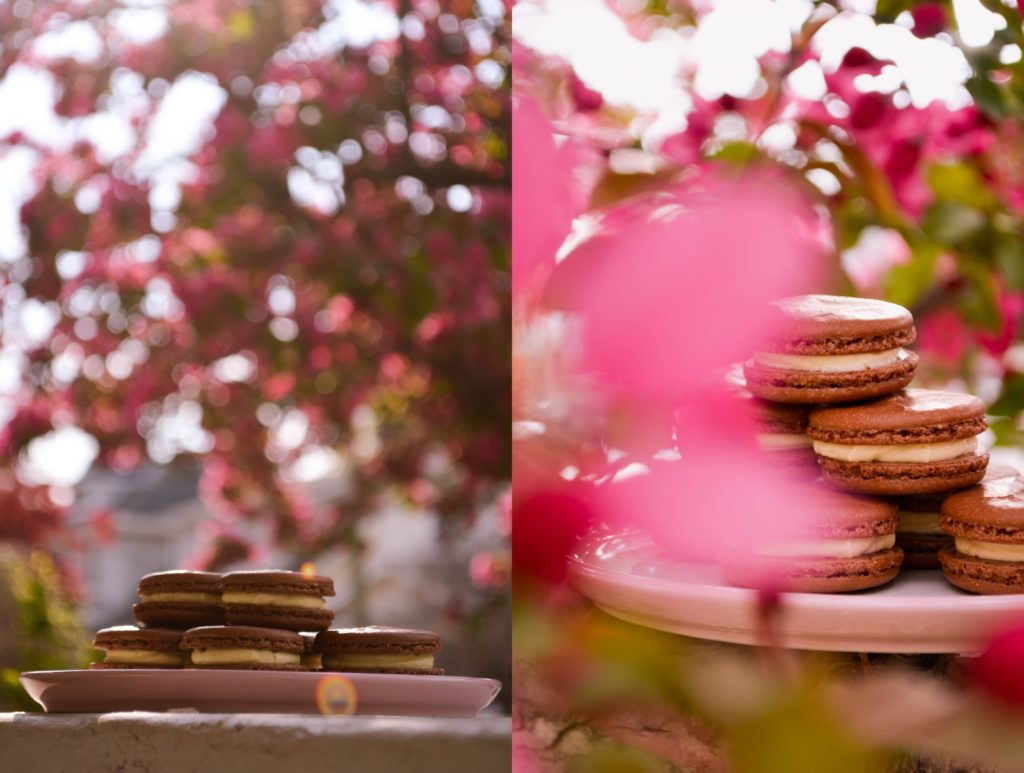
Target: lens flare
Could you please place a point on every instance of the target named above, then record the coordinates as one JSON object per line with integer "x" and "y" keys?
{"x": 335, "y": 696}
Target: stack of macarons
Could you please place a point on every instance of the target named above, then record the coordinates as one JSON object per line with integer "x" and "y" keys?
{"x": 254, "y": 621}
{"x": 843, "y": 362}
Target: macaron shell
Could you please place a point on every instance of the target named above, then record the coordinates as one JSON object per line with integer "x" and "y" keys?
{"x": 181, "y": 615}
{"x": 921, "y": 551}
{"x": 288, "y": 618}
{"x": 784, "y": 418}
{"x": 837, "y": 324}
{"x": 801, "y": 462}
{"x": 128, "y": 637}
{"x": 903, "y": 479}
{"x": 106, "y": 666}
{"x": 829, "y": 575}
{"x": 277, "y": 582}
{"x": 180, "y": 581}
{"x": 848, "y": 516}
{"x": 249, "y": 667}
{"x": 893, "y": 419}
{"x": 926, "y": 503}
{"x": 409, "y": 671}
{"x": 242, "y": 636}
{"x": 378, "y": 640}
{"x": 807, "y": 388}
{"x": 981, "y": 576}
{"x": 993, "y": 510}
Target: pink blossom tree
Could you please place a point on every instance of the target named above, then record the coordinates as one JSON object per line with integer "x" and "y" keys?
{"x": 332, "y": 245}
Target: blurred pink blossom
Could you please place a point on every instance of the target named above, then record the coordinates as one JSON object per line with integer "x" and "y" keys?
{"x": 999, "y": 669}
{"x": 929, "y": 19}
{"x": 583, "y": 96}
{"x": 869, "y": 261}
{"x": 547, "y": 523}
{"x": 719, "y": 500}
{"x": 677, "y": 285}
{"x": 545, "y": 198}
{"x": 942, "y": 335}
{"x": 1011, "y": 311}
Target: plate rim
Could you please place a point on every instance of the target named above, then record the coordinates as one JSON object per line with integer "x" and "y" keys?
{"x": 597, "y": 582}
{"x": 40, "y": 681}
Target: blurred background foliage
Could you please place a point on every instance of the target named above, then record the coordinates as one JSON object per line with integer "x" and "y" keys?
{"x": 267, "y": 242}
{"x": 44, "y": 621}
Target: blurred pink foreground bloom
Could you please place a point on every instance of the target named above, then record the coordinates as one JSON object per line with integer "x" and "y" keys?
{"x": 676, "y": 285}
{"x": 545, "y": 198}
{"x": 999, "y": 669}
{"x": 672, "y": 288}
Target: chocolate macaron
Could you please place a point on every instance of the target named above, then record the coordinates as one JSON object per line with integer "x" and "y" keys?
{"x": 833, "y": 349}
{"x": 274, "y": 599}
{"x": 919, "y": 441}
{"x": 850, "y": 545}
{"x": 126, "y": 646}
{"x": 379, "y": 650}
{"x": 919, "y": 535}
{"x": 987, "y": 525}
{"x": 179, "y": 599}
{"x": 782, "y": 434}
{"x": 312, "y": 658}
{"x": 244, "y": 647}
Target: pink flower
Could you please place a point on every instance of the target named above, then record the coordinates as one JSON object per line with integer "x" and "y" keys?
{"x": 677, "y": 284}
{"x": 672, "y": 502}
{"x": 586, "y": 98}
{"x": 943, "y": 336}
{"x": 869, "y": 261}
{"x": 545, "y": 198}
{"x": 1011, "y": 315}
{"x": 999, "y": 670}
{"x": 489, "y": 570}
{"x": 546, "y": 525}
{"x": 869, "y": 110}
{"x": 929, "y": 19}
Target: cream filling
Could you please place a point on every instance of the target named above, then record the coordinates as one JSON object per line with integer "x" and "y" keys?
{"x": 993, "y": 551}
{"x": 829, "y": 363}
{"x": 919, "y": 523}
{"x": 244, "y": 657}
{"x": 768, "y": 441}
{"x": 206, "y": 598}
{"x": 273, "y": 599}
{"x": 419, "y": 662}
{"x": 312, "y": 661}
{"x": 145, "y": 657}
{"x": 907, "y": 452}
{"x": 831, "y": 548}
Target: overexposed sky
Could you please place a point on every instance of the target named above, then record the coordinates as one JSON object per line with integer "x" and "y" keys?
{"x": 720, "y": 57}
{"x": 183, "y": 122}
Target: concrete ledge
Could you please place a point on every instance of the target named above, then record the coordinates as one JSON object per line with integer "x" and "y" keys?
{"x": 145, "y": 742}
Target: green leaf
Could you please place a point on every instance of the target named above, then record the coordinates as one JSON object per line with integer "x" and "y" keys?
{"x": 1011, "y": 401}
{"x": 949, "y": 222}
{"x": 616, "y": 759}
{"x": 1007, "y": 432}
{"x": 888, "y": 10}
{"x": 961, "y": 183}
{"x": 613, "y": 188}
{"x": 1009, "y": 257}
{"x": 797, "y": 736}
{"x": 988, "y": 96}
{"x": 739, "y": 153}
{"x": 906, "y": 282}
{"x": 980, "y": 302}
{"x": 241, "y": 24}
